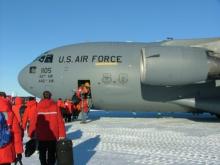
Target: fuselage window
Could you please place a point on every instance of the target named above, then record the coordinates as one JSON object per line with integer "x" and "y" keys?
{"x": 32, "y": 69}
{"x": 49, "y": 58}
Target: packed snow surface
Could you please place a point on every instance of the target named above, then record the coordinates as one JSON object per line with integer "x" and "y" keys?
{"x": 126, "y": 138}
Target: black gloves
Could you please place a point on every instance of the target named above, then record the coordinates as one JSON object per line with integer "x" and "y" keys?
{"x": 18, "y": 157}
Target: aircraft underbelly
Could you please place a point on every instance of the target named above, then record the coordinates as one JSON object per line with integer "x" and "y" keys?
{"x": 145, "y": 107}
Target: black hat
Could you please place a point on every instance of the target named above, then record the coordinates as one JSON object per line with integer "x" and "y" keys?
{"x": 47, "y": 94}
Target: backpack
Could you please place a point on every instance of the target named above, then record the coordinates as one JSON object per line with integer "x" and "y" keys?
{"x": 5, "y": 134}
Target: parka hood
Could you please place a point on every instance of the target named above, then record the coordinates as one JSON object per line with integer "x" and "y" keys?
{"x": 45, "y": 103}
{"x": 30, "y": 103}
{"x": 5, "y": 105}
{"x": 18, "y": 101}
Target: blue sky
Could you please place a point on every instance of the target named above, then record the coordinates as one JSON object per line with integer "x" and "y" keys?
{"x": 28, "y": 28}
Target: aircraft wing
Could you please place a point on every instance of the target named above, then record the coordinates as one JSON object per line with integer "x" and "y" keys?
{"x": 212, "y": 44}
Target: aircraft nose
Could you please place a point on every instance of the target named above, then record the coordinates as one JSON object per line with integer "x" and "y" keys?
{"x": 22, "y": 77}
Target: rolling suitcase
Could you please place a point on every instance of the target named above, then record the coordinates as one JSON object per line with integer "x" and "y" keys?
{"x": 64, "y": 152}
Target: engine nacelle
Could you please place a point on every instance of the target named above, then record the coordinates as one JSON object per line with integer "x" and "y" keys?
{"x": 171, "y": 66}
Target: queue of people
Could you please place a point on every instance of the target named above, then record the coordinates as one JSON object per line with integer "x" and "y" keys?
{"x": 78, "y": 105}
{"x": 43, "y": 121}
{"x": 68, "y": 109}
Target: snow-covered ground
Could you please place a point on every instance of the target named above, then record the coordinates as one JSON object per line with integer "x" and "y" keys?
{"x": 126, "y": 138}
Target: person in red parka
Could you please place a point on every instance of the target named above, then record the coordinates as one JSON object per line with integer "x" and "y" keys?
{"x": 49, "y": 129}
{"x": 12, "y": 151}
{"x": 69, "y": 109}
{"x": 82, "y": 93}
{"x": 16, "y": 109}
{"x": 29, "y": 117}
{"x": 61, "y": 105}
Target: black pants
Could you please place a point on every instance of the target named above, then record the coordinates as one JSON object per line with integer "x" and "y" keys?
{"x": 47, "y": 152}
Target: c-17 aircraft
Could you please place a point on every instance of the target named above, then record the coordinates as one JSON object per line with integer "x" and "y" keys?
{"x": 166, "y": 76}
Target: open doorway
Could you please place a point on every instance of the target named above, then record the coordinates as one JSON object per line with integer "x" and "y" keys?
{"x": 88, "y": 96}
{"x": 81, "y": 82}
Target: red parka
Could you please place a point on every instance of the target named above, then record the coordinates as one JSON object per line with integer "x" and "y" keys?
{"x": 60, "y": 103}
{"x": 83, "y": 104}
{"x": 16, "y": 108}
{"x": 8, "y": 152}
{"x": 62, "y": 106}
{"x": 69, "y": 106}
{"x": 50, "y": 125}
{"x": 30, "y": 115}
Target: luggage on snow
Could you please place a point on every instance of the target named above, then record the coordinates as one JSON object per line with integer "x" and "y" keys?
{"x": 64, "y": 152}
{"x": 30, "y": 147}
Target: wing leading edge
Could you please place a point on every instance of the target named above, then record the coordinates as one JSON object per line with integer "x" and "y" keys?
{"x": 212, "y": 44}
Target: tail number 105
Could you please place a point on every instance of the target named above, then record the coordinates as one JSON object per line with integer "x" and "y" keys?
{"x": 46, "y": 70}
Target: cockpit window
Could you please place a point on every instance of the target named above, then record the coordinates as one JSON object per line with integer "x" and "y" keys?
{"x": 41, "y": 59}
{"x": 45, "y": 58}
{"x": 49, "y": 58}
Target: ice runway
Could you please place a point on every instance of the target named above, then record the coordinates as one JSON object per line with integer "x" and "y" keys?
{"x": 124, "y": 138}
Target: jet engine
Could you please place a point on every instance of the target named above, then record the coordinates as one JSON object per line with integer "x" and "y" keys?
{"x": 172, "y": 66}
